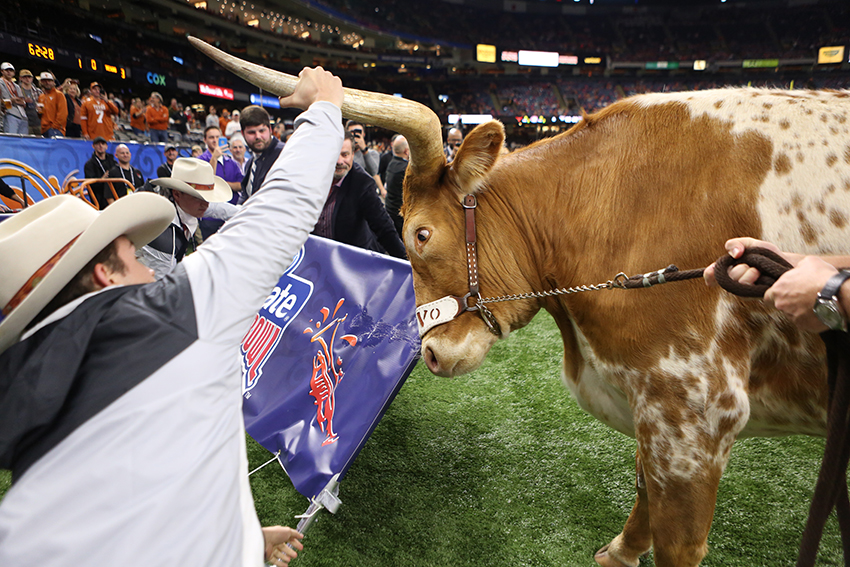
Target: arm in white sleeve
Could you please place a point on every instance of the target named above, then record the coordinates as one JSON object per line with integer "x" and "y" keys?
{"x": 233, "y": 273}
{"x": 221, "y": 211}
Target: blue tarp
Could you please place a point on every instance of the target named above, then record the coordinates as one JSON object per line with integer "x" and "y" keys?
{"x": 326, "y": 355}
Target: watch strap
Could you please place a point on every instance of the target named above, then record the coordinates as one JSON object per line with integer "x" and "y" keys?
{"x": 833, "y": 284}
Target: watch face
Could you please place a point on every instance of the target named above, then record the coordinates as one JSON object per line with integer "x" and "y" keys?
{"x": 828, "y": 313}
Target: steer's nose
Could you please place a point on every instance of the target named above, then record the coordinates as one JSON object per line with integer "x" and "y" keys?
{"x": 431, "y": 360}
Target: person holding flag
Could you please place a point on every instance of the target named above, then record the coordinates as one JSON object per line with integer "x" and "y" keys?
{"x": 120, "y": 397}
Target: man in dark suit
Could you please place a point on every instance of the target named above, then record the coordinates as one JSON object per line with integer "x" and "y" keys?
{"x": 395, "y": 179}
{"x": 353, "y": 213}
{"x": 264, "y": 148}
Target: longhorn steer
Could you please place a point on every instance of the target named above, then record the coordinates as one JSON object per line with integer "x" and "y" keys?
{"x": 648, "y": 181}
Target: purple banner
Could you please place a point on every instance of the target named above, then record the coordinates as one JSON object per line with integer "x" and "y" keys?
{"x": 326, "y": 355}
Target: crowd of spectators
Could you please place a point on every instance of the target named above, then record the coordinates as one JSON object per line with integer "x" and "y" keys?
{"x": 139, "y": 114}
{"x": 40, "y": 108}
{"x": 719, "y": 32}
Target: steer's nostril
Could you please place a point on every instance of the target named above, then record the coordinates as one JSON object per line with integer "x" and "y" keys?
{"x": 431, "y": 360}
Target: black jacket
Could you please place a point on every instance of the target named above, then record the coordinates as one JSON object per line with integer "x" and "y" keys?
{"x": 359, "y": 217}
{"x": 95, "y": 168}
{"x": 395, "y": 179}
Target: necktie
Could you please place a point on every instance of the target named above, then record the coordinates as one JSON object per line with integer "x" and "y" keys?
{"x": 249, "y": 187}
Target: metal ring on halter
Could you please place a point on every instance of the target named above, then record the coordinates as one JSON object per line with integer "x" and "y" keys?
{"x": 466, "y": 305}
{"x": 486, "y": 314}
{"x": 489, "y": 319}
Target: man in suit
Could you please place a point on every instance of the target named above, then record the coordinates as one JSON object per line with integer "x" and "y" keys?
{"x": 264, "y": 147}
{"x": 353, "y": 213}
{"x": 395, "y": 179}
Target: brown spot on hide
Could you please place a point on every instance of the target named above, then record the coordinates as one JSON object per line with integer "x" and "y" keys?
{"x": 767, "y": 105}
{"x": 830, "y": 188}
{"x": 764, "y": 118}
{"x": 800, "y": 157}
{"x": 837, "y": 218}
{"x": 718, "y": 104}
{"x": 782, "y": 165}
{"x": 784, "y": 124}
{"x": 841, "y": 118}
{"x": 823, "y": 117}
{"x": 831, "y": 159}
{"x": 820, "y": 207}
{"x": 847, "y": 155}
{"x": 833, "y": 130}
{"x": 807, "y": 110}
{"x": 807, "y": 231}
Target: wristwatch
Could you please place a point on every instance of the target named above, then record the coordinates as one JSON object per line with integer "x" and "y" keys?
{"x": 826, "y": 305}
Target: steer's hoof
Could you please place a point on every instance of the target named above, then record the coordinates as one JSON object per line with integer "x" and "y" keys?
{"x": 605, "y": 559}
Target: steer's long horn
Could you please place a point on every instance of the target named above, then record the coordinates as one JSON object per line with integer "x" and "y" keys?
{"x": 414, "y": 121}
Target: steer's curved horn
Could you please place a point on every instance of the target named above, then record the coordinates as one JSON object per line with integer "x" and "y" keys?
{"x": 414, "y": 121}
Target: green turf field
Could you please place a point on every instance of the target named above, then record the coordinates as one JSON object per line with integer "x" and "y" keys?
{"x": 501, "y": 467}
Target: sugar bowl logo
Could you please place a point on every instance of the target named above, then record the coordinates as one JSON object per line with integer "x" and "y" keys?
{"x": 281, "y": 307}
{"x": 327, "y": 367}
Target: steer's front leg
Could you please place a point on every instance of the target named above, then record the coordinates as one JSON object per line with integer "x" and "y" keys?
{"x": 635, "y": 540}
{"x": 685, "y": 433}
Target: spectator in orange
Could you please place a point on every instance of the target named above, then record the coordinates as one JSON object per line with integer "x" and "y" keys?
{"x": 157, "y": 118}
{"x": 55, "y": 111}
{"x": 137, "y": 117}
{"x": 223, "y": 120}
{"x": 98, "y": 111}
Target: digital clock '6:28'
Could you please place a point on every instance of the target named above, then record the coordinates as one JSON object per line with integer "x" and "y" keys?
{"x": 37, "y": 50}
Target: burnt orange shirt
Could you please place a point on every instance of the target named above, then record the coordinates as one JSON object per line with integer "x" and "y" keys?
{"x": 222, "y": 123}
{"x": 97, "y": 118}
{"x": 55, "y": 112}
{"x": 157, "y": 118}
{"x": 140, "y": 122}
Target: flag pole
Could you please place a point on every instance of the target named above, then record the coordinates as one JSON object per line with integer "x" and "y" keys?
{"x": 328, "y": 498}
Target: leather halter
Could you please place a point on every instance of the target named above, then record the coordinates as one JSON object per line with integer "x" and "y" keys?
{"x": 450, "y": 307}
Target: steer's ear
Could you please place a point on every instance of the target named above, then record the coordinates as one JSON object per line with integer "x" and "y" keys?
{"x": 476, "y": 156}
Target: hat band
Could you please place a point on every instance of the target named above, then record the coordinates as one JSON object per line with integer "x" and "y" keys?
{"x": 36, "y": 279}
{"x": 200, "y": 187}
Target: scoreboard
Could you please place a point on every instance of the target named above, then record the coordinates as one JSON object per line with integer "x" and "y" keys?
{"x": 49, "y": 54}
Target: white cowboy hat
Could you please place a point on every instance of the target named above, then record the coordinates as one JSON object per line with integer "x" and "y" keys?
{"x": 46, "y": 245}
{"x": 196, "y": 177}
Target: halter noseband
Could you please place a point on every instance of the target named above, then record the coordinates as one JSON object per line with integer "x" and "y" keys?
{"x": 450, "y": 307}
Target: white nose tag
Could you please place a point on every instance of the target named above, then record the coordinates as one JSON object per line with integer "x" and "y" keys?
{"x": 437, "y": 312}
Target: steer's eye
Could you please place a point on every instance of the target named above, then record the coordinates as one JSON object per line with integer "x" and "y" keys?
{"x": 423, "y": 235}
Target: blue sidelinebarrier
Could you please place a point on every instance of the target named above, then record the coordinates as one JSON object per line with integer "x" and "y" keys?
{"x": 325, "y": 356}
{"x": 47, "y": 162}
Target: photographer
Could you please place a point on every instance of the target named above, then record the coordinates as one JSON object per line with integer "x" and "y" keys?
{"x": 365, "y": 157}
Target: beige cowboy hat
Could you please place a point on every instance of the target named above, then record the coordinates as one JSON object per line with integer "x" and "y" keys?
{"x": 196, "y": 177}
{"x": 46, "y": 245}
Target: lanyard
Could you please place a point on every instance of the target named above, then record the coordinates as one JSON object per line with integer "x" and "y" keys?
{"x": 132, "y": 175}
